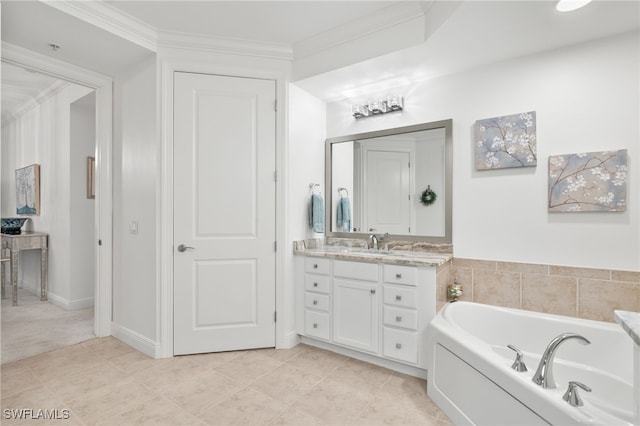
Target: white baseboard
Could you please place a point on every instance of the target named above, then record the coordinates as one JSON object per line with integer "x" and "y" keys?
{"x": 136, "y": 340}
{"x": 288, "y": 341}
{"x": 68, "y": 305}
{"x": 372, "y": 359}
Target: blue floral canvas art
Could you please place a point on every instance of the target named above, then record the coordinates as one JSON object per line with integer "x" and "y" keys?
{"x": 28, "y": 190}
{"x": 506, "y": 142}
{"x": 588, "y": 182}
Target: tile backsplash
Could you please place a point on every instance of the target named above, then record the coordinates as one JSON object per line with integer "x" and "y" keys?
{"x": 577, "y": 292}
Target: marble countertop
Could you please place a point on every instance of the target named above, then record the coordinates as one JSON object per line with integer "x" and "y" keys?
{"x": 630, "y": 322}
{"x": 397, "y": 257}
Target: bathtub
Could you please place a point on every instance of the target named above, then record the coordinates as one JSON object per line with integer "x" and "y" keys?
{"x": 471, "y": 379}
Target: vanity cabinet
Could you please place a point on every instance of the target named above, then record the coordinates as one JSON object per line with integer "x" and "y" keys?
{"x": 355, "y": 305}
{"x": 317, "y": 281}
{"x": 379, "y": 310}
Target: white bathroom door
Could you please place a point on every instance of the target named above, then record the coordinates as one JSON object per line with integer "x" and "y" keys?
{"x": 224, "y": 213}
{"x": 388, "y": 192}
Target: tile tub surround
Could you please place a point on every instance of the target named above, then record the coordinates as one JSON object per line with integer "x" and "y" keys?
{"x": 577, "y": 292}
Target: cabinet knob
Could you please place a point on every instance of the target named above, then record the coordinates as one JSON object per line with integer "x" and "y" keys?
{"x": 315, "y": 266}
{"x": 398, "y": 275}
{"x": 398, "y": 297}
{"x": 315, "y": 302}
{"x": 315, "y": 284}
{"x": 315, "y": 325}
{"x": 398, "y": 318}
{"x": 373, "y": 291}
{"x": 398, "y": 345}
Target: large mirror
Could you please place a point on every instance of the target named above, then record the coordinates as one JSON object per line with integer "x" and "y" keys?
{"x": 395, "y": 181}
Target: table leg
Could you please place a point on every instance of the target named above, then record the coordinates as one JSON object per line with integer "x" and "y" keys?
{"x": 4, "y": 276}
{"x": 15, "y": 263}
{"x": 43, "y": 273}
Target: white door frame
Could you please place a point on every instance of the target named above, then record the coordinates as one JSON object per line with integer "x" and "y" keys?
{"x": 103, "y": 87}
{"x": 285, "y": 327}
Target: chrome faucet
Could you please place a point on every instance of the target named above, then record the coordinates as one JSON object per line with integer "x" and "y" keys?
{"x": 544, "y": 373}
{"x": 372, "y": 242}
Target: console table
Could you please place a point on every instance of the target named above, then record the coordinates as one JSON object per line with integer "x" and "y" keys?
{"x": 18, "y": 243}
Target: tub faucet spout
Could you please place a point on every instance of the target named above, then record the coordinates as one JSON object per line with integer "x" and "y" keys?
{"x": 544, "y": 373}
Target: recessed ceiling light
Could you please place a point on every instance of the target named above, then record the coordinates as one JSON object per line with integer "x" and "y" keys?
{"x": 569, "y": 5}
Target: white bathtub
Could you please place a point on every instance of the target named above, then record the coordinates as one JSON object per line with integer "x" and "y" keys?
{"x": 471, "y": 379}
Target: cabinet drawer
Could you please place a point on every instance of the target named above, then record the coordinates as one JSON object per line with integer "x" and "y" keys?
{"x": 400, "y": 296}
{"x": 316, "y": 324}
{"x": 319, "y": 283}
{"x": 355, "y": 270}
{"x": 398, "y": 317}
{"x": 395, "y": 274}
{"x": 401, "y": 345}
{"x": 316, "y": 301}
{"x": 317, "y": 265}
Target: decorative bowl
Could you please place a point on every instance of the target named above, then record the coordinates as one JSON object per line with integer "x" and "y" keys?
{"x": 12, "y": 225}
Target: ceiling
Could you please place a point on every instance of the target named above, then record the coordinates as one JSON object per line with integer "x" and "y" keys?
{"x": 20, "y": 86}
{"x": 478, "y": 33}
{"x": 286, "y": 22}
{"x": 469, "y": 34}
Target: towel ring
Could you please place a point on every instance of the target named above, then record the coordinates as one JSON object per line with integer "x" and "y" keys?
{"x": 343, "y": 189}
{"x": 312, "y": 187}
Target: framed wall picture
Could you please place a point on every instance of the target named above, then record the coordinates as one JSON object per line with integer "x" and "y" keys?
{"x": 506, "y": 142}
{"x": 588, "y": 182}
{"x": 91, "y": 174}
{"x": 28, "y": 190}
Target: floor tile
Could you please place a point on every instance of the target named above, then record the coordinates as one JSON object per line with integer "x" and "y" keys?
{"x": 333, "y": 402}
{"x": 317, "y": 361}
{"x": 108, "y": 401}
{"x": 365, "y": 377}
{"x": 158, "y": 411}
{"x": 286, "y": 383}
{"x": 247, "y": 407}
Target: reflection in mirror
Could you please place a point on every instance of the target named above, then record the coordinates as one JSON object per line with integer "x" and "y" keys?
{"x": 377, "y": 183}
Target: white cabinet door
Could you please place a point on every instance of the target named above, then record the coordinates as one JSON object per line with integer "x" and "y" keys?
{"x": 355, "y": 313}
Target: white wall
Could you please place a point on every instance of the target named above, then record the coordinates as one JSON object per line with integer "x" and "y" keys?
{"x": 306, "y": 158}
{"x": 82, "y": 209}
{"x": 42, "y": 135}
{"x": 429, "y": 171}
{"x": 135, "y": 173}
{"x": 306, "y": 146}
{"x": 586, "y": 98}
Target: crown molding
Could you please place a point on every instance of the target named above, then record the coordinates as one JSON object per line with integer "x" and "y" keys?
{"x": 48, "y": 92}
{"x": 391, "y": 16}
{"x": 225, "y": 45}
{"x": 110, "y": 19}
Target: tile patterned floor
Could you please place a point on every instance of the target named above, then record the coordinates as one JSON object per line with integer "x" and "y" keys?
{"x": 105, "y": 382}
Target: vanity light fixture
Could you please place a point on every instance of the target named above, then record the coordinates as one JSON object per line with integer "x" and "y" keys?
{"x": 378, "y": 106}
{"x": 570, "y": 5}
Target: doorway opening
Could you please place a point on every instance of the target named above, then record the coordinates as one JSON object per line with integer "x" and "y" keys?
{"x": 74, "y": 108}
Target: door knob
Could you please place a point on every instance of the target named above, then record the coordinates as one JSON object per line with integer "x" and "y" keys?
{"x": 182, "y": 248}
